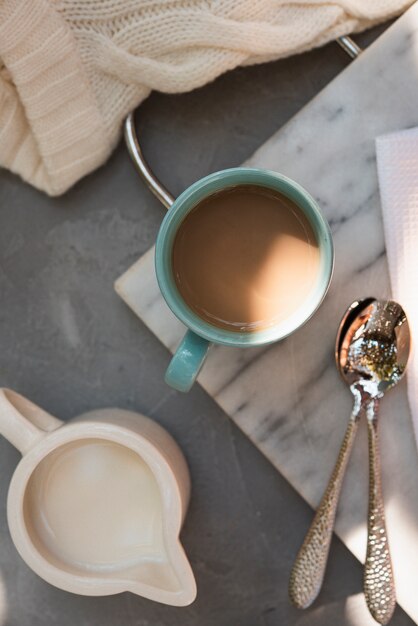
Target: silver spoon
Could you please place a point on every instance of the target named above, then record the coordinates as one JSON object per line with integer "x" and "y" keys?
{"x": 309, "y": 568}
{"x": 373, "y": 361}
{"x": 371, "y": 352}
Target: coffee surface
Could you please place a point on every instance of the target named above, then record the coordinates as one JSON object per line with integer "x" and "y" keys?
{"x": 245, "y": 258}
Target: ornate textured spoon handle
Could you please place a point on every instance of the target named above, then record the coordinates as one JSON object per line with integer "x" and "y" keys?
{"x": 309, "y": 568}
{"x": 379, "y": 587}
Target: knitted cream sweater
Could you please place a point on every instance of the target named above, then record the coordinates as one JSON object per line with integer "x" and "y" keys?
{"x": 70, "y": 70}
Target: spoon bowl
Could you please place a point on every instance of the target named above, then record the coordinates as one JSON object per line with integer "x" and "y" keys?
{"x": 347, "y": 327}
{"x": 373, "y": 346}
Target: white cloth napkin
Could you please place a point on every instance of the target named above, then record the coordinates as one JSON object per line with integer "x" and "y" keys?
{"x": 397, "y": 164}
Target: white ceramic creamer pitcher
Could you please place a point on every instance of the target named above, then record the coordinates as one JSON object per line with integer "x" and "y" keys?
{"x": 96, "y": 505}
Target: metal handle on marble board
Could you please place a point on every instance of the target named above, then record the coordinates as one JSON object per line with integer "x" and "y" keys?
{"x": 142, "y": 167}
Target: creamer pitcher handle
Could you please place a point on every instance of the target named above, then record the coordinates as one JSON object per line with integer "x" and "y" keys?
{"x": 22, "y": 422}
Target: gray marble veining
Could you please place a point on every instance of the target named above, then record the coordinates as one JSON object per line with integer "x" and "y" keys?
{"x": 288, "y": 397}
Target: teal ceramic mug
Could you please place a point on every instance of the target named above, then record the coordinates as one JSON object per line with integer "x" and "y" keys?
{"x": 201, "y": 335}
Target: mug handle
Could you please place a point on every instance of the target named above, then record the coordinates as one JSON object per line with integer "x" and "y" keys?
{"x": 187, "y": 361}
{"x": 22, "y": 422}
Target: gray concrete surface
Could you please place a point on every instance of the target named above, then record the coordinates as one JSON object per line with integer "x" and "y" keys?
{"x": 70, "y": 344}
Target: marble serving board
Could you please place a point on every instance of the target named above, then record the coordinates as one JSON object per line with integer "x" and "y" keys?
{"x": 288, "y": 397}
